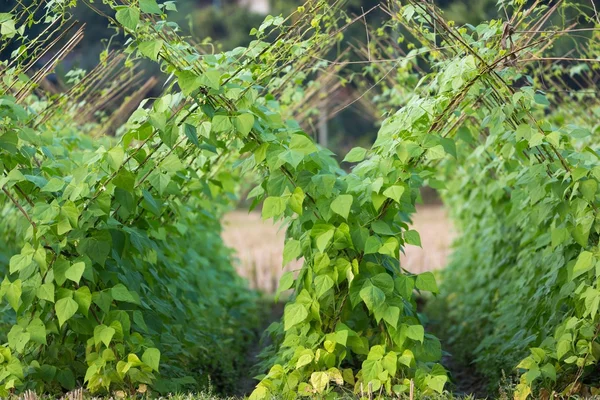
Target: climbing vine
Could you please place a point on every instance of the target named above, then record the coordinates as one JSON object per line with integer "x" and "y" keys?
{"x": 521, "y": 184}
{"x": 116, "y": 276}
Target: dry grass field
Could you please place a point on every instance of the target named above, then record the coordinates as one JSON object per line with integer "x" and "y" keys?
{"x": 259, "y": 245}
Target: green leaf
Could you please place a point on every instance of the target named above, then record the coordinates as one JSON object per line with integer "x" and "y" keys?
{"x": 221, "y": 123}
{"x": 372, "y": 245}
{"x": 324, "y": 239}
{"x": 296, "y": 200}
{"x": 37, "y": 331}
{"x": 406, "y": 358}
{"x": 384, "y": 282}
{"x": 18, "y": 338}
{"x": 404, "y": 285}
{"x": 435, "y": 153}
{"x": 371, "y": 370}
{"x": 13, "y": 294}
{"x": 548, "y": 371}
{"x": 294, "y": 158}
{"x": 376, "y": 353}
{"x": 129, "y": 17}
{"x": 75, "y": 272}
{"x": 304, "y": 359}
{"x": 391, "y": 315}
{"x": 415, "y": 332}
{"x": 294, "y": 314}
{"x": 285, "y": 282}
{"x": 46, "y": 292}
{"x": 394, "y": 192}
{"x": 562, "y": 348}
{"x": 150, "y": 7}
{"x": 115, "y": 157}
{"x": 120, "y": 293}
{"x": 559, "y": 235}
{"x": 83, "y": 298}
{"x": 302, "y": 144}
{"x": 580, "y": 133}
{"x": 96, "y": 248}
{"x": 382, "y": 228}
{"x": 191, "y": 133}
{"x": 389, "y": 247}
{"x": 584, "y": 263}
{"x": 19, "y": 262}
{"x": 341, "y": 205}
{"x": 536, "y": 139}
{"x": 37, "y": 180}
{"x": 243, "y": 123}
{"x": 541, "y": 99}
{"x": 211, "y": 78}
{"x": 188, "y": 82}
{"x": 437, "y": 383}
{"x": 372, "y": 296}
{"x": 54, "y": 185}
{"x": 581, "y": 234}
{"x": 341, "y": 337}
{"x": 524, "y": 131}
{"x": 169, "y": 135}
{"x": 151, "y": 358}
{"x": 103, "y": 334}
{"x": 426, "y": 282}
{"x": 412, "y": 237}
{"x": 149, "y": 202}
{"x": 377, "y": 200}
{"x": 8, "y": 28}
{"x": 65, "y": 309}
{"x": 319, "y": 381}
{"x": 46, "y": 212}
{"x": 390, "y": 363}
{"x": 357, "y": 154}
{"x": 103, "y": 300}
{"x": 322, "y": 284}
{"x": 151, "y": 48}
{"x": 579, "y": 173}
{"x": 63, "y": 226}
{"x": 259, "y": 393}
{"x": 124, "y": 180}
{"x": 321, "y": 263}
{"x": 273, "y": 207}
{"x": 588, "y": 189}
{"x": 291, "y": 251}
{"x": 66, "y": 379}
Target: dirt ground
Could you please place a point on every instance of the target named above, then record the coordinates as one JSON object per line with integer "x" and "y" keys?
{"x": 259, "y": 245}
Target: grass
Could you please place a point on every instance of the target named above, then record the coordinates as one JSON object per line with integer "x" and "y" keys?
{"x": 504, "y": 393}
{"x": 212, "y": 396}
{"x": 206, "y": 396}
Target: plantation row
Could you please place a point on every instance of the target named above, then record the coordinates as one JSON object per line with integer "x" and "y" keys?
{"x": 520, "y": 293}
{"x": 116, "y": 275}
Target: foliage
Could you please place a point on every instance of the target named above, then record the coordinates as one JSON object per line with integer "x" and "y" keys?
{"x": 116, "y": 270}
{"x": 97, "y": 287}
{"x": 522, "y": 186}
{"x": 104, "y": 230}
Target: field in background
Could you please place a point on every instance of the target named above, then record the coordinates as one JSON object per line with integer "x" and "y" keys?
{"x": 259, "y": 245}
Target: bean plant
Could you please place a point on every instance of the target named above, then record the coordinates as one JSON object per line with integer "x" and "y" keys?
{"x": 115, "y": 273}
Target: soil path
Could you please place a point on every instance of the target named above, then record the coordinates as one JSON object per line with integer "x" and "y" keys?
{"x": 273, "y": 313}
